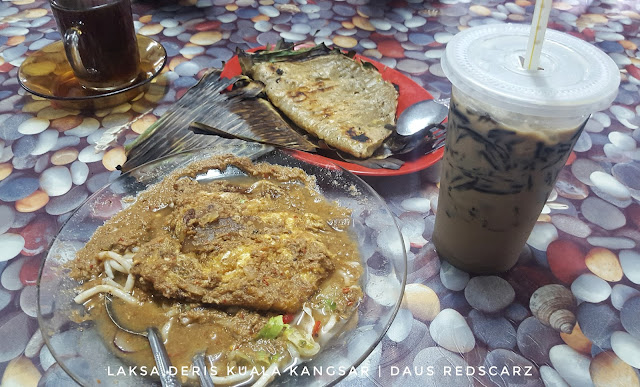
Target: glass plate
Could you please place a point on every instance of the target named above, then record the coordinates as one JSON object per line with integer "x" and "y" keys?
{"x": 47, "y": 74}
{"x": 81, "y": 351}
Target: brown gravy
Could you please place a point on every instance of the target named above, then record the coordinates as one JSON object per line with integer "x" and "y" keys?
{"x": 215, "y": 297}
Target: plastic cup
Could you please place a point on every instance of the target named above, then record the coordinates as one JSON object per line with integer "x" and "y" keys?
{"x": 510, "y": 133}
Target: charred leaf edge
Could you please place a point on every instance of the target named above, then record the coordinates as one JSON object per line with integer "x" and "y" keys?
{"x": 287, "y": 52}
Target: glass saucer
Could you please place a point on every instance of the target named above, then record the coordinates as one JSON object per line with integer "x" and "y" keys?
{"x": 47, "y": 74}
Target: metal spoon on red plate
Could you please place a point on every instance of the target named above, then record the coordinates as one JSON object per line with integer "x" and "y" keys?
{"x": 422, "y": 116}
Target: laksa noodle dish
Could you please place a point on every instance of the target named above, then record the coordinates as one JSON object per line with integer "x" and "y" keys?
{"x": 256, "y": 271}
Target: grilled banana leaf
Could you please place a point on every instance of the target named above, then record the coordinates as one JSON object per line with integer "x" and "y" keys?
{"x": 236, "y": 112}
{"x": 209, "y": 115}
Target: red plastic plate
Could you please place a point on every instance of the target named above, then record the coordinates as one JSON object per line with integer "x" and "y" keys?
{"x": 409, "y": 93}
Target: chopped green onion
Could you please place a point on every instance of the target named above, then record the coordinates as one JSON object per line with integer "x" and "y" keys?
{"x": 330, "y": 304}
{"x": 272, "y": 328}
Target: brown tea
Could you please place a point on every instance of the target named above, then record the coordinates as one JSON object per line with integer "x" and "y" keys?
{"x": 100, "y": 41}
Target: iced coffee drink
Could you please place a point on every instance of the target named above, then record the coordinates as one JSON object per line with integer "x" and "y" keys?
{"x": 496, "y": 178}
{"x": 509, "y": 134}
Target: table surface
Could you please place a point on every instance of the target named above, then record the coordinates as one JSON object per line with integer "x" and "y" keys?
{"x": 586, "y": 238}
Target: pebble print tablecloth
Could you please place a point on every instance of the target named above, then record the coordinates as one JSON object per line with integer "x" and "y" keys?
{"x": 586, "y": 239}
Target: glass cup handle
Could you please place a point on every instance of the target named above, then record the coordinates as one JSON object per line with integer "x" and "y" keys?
{"x": 71, "y": 38}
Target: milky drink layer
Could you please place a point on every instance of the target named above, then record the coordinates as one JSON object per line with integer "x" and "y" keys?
{"x": 495, "y": 180}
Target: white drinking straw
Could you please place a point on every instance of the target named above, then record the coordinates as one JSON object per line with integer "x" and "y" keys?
{"x": 536, "y": 35}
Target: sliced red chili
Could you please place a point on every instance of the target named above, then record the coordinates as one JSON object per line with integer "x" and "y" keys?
{"x": 287, "y": 318}
{"x": 316, "y": 328}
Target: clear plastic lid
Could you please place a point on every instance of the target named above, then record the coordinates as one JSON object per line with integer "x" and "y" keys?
{"x": 575, "y": 79}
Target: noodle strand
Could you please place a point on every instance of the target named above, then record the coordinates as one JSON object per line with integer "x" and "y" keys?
{"x": 165, "y": 330}
{"x": 116, "y": 266}
{"x": 293, "y": 352}
{"x": 84, "y": 296}
{"x": 235, "y": 378}
{"x": 267, "y": 376}
{"x": 131, "y": 281}
{"x": 116, "y": 257}
{"x": 110, "y": 282}
{"x": 107, "y": 269}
